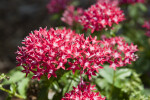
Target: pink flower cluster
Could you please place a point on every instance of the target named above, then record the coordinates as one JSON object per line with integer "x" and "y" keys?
{"x": 70, "y": 15}
{"x": 83, "y": 92}
{"x": 46, "y": 51}
{"x": 55, "y": 6}
{"x": 147, "y": 26}
{"x": 131, "y": 1}
{"x": 100, "y": 15}
{"x": 117, "y": 2}
{"x": 111, "y": 2}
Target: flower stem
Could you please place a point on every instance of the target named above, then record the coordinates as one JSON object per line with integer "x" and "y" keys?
{"x": 112, "y": 88}
{"x": 14, "y": 94}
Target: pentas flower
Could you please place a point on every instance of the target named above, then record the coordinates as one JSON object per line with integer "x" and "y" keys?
{"x": 117, "y": 2}
{"x": 117, "y": 52}
{"x": 55, "y": 6}
{"x": 83, "y": 92}
{"x": 100, "y": 16}
{"x": 46, "y": 51}
{"x": 147, "y": 33}
{"x": 147, "y": 26}
{"x": 131, "y": 1}
{"x": 112, "y": 2}
{"x": 70, "y": 16}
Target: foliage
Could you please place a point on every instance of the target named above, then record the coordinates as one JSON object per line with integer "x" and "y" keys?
{"x": 17, "y": 81}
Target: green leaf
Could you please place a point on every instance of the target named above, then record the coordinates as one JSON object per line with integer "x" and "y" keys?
{"x": 123, "y": 73}
{"x": 133, "y": 11}
{"x": 107, "y": 73}
{"x": 115, "y": 29}
{"x": 22, "y": 85}
{"x": 2, "y": 76}
{"x": 142, "y": 7}
{"x": 13, "y": 88}
{"x": 14, "y": 77}
{"x": 56, "y": 86}
{"x": 138, "y": 96}
{"x": 55, "y": 16}
{"x": 147, "y": 92}
{"x": 68, "y": 87}
{"x": 75, "y": 3}
{"x": 102, "y": 83}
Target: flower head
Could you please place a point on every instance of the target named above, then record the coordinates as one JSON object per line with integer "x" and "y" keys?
{"x": 46, "y": 51}
{"x": 147, "y": 26}
{"x": 131, "y": 1}
{"x": 55, "y": 6}
{"x": 83, "y": 92}
{"x": 101, "y": 15}
{"x": 70, "y": 15}
{"x": 147, "y": 33}
{"x": 112, "y": 2}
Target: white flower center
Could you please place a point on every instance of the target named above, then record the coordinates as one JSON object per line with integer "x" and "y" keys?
{"x": 60, "y": 64}
{"x": 87, "y": 63}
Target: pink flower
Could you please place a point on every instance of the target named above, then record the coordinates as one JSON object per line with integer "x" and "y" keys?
{"x": 147, "y": 26}
{"x": 70, "y": 16}
{"x": 147, "y": 33}
{"x": 46, "y": 51}
{"x": 112, "y": 2}
{"x": 55, "y": 6}
{"x": 74, "y": 67}
{"x": 100, "y": 16}
{"x": 131, "y": 1}
{"x": 83, "y": 92}
{"x": 121, "y": 56}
